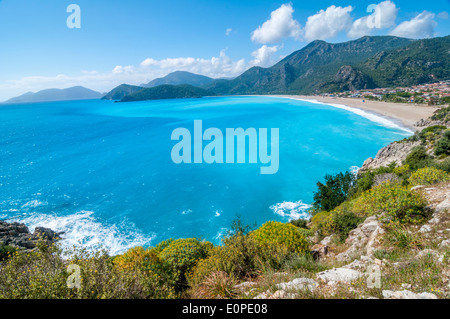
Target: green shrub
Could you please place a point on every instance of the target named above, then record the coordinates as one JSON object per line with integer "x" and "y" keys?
{"x": 300, "y": 223}
{"x": 205, "y": 267}
{"x": 182, "y": 255}
{"x": 343, "y": 222}
{"x": 402, "y": 170}
{"x": 393, "y": 199}
{"x": 432, "y": 132}
{"x": 441, "y": 114}
{"x": 43, "y": 274}
{"x": 306, "y": 232}
{"x": 443, "y": 145}
{"x": 280, "y": 234}
{"x": 418, "y": 158}
{"x": 444, "y": 165}
{"x": 428, "y": 176}
{"x": 320, "y": 223}
{"x": 137, "y": 257}
{"x": 364, "y": 182}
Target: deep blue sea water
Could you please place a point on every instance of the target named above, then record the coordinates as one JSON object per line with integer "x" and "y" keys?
{"x": 102, "y": 171}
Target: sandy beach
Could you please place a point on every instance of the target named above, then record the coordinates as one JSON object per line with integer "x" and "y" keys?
{"x": 407, "y": 114}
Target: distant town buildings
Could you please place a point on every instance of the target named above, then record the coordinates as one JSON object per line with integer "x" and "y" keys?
{"x": 433, "y": 93}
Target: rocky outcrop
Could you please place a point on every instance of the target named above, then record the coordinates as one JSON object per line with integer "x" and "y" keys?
{"x": 363, "y": 240}
{"x": 18, "y": 235}
{"x": 429, "y": 122}
{"x": 394, "y": 152}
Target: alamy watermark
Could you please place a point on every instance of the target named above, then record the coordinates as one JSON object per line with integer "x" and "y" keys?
{"x": 74, "y": 280}
{"x": 229, "y": 148}
{"x": 374, "y": 20}
{"x": 74, "y": 19}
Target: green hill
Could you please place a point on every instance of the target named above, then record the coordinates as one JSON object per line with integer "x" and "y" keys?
{"x": 167, "y": 92}
{"x": 179, "y": 78}
{"x": 121, "y": 91}
{"x": 423, "y": 61}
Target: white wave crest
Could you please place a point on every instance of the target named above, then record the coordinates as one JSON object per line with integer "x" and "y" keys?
{"x": 83, "y": 229}
{"x": 368, "y": 115}
{"x": 292, "y": 210}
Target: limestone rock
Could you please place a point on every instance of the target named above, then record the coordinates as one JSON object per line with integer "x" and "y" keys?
{"x": 394, "y": 152}
{"x": 299, "y": 284}
{"x": 363, "y": 240}
{"x": 342, "y": 275}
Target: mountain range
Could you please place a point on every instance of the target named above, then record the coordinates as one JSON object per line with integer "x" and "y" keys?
{"x": 49, "y": 95}
{"x": 366, "y": 63}
{"x": 320, "y": 67}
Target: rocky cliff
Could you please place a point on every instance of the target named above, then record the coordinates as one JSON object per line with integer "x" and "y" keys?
{"x": 19, "y": 236}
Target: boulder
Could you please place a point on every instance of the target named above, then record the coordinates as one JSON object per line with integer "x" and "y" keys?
{"x": 299, "y": 284}
{"x": 339, "y": 275}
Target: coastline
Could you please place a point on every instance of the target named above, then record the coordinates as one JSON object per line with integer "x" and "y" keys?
{"x": 404, "y": 114}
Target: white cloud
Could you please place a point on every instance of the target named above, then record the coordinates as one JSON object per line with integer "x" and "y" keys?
{"x": 263, "y": 56}
{"x": 221, "y": 66}
{"x": 443, "y": 15}
{"x": 328, "y": 23}
{"x": 383, "y": 16}
{"x": 421, "y": 26}
{"x": 280, "y": 25}
{"x": 228, "y": 31}
{"x": 149, "y": 69}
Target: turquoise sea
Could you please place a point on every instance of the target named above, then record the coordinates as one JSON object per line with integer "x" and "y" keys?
{"x": 102, "y": 171}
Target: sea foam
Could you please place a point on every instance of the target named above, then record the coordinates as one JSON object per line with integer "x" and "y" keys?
{"x": 292, "y": 210}
{"x": 83, "y": 229}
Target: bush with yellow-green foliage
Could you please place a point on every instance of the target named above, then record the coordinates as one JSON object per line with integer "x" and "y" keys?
{"x": 428, "y": 176}
{"x": 137, "y": 257}
{"x": 279, "y": 234}
{"x": 43, "y": 274}
{"x": 401, "y": 170}
{"x": 321, "y": 223}
{"x": 182, "y": 255}
{"x": 397, "y": 202}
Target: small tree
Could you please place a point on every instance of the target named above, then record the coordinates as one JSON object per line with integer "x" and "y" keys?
{"x": 334, "y": 192}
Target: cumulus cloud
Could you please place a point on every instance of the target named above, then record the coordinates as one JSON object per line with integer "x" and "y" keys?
{"x": 328, "y": 23}
{"x": 421, "y": 26}
{"x": 383, "y": 16}
{"x": 264, "y": 55}
{"x": 221, "y": 66}
{"x": 280, "y": 25}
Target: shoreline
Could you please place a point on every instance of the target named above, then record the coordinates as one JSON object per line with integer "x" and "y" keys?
{"x": 403, "y": 114}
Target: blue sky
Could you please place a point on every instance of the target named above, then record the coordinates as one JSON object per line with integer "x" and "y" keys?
{"x": 136, "y": 41}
